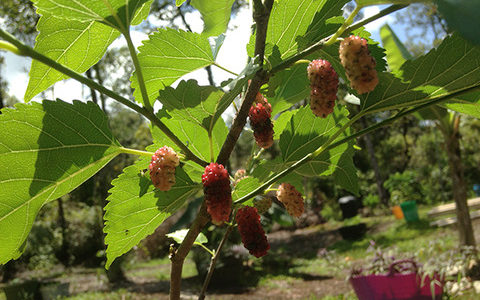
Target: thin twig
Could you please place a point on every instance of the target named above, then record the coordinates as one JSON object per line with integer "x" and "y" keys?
{"x": 213, "y": 262}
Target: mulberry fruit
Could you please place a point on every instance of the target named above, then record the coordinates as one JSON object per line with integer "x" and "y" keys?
{"x": 324, "y": 87}
{"x": 291, "y": 198}
{"x": 359, "y": 64}
{"x": 259, "y": 115}
{"x": 218, "y": 194}
{"x": 162, "y": 168}
{"x": 263, "y": 204}
{"x": 251, "y": 231}
{"x": 239, "y": 175}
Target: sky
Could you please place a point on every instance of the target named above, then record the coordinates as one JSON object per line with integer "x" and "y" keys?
{"x": 234, "y": 46}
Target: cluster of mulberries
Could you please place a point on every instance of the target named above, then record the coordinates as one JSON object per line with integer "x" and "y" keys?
{"x": 323, "y": 85}
{"x": 251, "y": 231}
{"x": 260, "y": 119}
{"x": 218, "y": 194}
{"x": 359, "y": 64}
{"x": 291, "y": 198}
{"x": 262, "y": 204}
{"x": 162, "y": 168}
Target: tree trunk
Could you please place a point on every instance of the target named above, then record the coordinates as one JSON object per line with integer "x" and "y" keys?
{"x": 63, "y": 255}
{"x": 382, "y": 192}
{"x": 465, "y": 229}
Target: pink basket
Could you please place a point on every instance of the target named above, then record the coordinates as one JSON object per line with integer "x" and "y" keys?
{"x": 395, "y": 286}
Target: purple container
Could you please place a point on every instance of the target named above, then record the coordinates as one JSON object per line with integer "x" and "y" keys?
{"x": 396, "y": 286}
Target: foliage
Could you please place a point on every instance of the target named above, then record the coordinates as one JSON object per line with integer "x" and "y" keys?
{"x": 66, "y": 144}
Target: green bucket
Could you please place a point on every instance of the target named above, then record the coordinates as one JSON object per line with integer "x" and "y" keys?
{"x": 410, "y": 211}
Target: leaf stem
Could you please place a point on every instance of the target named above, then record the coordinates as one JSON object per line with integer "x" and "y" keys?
{"x": 136, "y": 152}
{"x": 10, "y": 47}
{"x": 225, "y": 69}
{"x": 344, "y": 26}
{"x": 212, "y": 253}
{"x": 210, "y": 141}
{"x": 30, "y": 52}
{"x": 138, "y": 71}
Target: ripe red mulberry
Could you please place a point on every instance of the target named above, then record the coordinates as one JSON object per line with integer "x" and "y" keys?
{"x": 251, "y": 231}
{"x": 324, "y": 87}
{"x": 291, "y": 198}
{"x": 162, "y": 168}
{"x": 359, "y": 64}
{"x": 259, "y": 115}
{"x": 218, "y": 194}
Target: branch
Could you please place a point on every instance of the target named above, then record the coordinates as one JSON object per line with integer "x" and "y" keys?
{"x": 178, "y": 256}
{"x": 261, "y": 14}
{"x": 213, "y": 262}
{"x": 25, "y": 50}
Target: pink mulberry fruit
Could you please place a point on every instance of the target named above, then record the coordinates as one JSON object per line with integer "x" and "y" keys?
{"x": 291, "y": 198}
{"x": 251, "y": 231}
{"x": 162, "y": 168}
{"x": 218, "y": 194}
{"x": 359, "y": 64}
{"x": 324, "y": 86}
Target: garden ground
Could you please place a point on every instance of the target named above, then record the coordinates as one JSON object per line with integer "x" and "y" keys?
{"x": 292, "y": 269}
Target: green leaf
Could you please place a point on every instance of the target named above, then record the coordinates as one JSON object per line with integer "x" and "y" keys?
{"x": 304, "y": 134}
{"x": 294, "y": 24}
{"x": 452, "y": 67}
{"x": 396, "y": 52}
{"x": 118, "y": 14}
{"x": 46, "y": 150}
{"x": 166, "y": 56}
{"x": 468, "y": 104}
{"x": 202, "y": 105}
{"x": 281, "y": 122}
{"x": 462, "y": 16}
{"x": 179, "y": 235}
{"x": 215, "y": 14}
{"x": 291, "y": 86}
{"x": 77, "y": 45}
{"x": 136, "y": 208}
{"x": 244, "y": 187}
{"x": 194, "y": 136}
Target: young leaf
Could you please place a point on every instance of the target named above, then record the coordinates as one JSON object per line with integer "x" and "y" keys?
{"x": 396, "y": 52}
{"x": 179, "y": 235}
{"x": 190, "y": 102}
{"x": 118, "y": 14}
{"x": 167, "y": 55}
{"x": 46, "y": 150}
{"x": 452, "y": 67}
{"x": 215, "y": 14}
{"x": 136, "y": 208}
{"x": 77, "y": 45}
